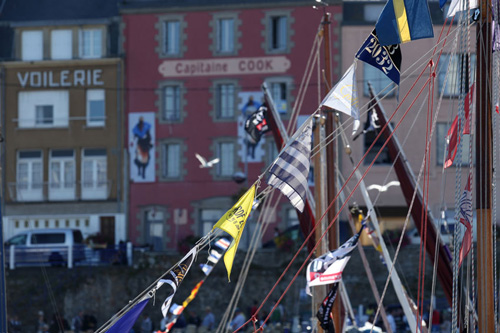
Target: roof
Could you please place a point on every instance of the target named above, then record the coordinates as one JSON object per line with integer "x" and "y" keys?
{"x": 172, "y": 5}
{"x": 49, "y": 10}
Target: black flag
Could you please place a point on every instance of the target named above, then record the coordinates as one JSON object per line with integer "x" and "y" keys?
{"x": 371, "y": 124}
{"x": 325, "y": 310}
{"x": 256, "y": 124}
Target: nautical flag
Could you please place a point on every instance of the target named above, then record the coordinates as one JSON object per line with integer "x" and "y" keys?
{"x": 175, "y": 276}
{"x": 328, "y": 268}
{"x": 290, "y": 170}
{"x": 465, "y": 207}
{"x": 460, "y": 6}
{"x": 214, "y": 256}
{"x": 344, "y": 97}
{"x": 402, "y": 21}
{"x": 256, "y": 124}
{"x": 176, "y": 310}
{"x": 325, "y": 310}
{"x": 233, "y": 222}
{"x": 371, "y": 124}
{"x": 127, "y": 321}
{"x": 385, "y": 58}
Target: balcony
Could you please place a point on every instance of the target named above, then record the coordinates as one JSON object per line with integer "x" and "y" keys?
{"x": 42, "y": 192}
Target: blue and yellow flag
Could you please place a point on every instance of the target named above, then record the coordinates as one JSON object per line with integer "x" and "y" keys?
{"x": 233, "y": 222}
{"x": 402, "y": 21}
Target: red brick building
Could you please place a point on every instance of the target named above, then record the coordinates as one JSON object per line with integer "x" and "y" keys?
{"x": 190, "y": 68}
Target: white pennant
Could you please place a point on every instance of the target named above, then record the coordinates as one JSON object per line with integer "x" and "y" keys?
{"x": 344, "y": 97}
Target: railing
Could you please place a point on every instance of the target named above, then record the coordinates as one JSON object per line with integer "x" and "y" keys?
{"x": 70, "y": 256}
{"x": 36, "y": 192}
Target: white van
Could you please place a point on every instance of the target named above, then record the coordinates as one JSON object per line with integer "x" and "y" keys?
{"x": 45, "y": 246}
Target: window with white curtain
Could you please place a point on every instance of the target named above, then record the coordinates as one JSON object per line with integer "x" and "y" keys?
{"x": 32, "y": 45}
{"x": 171, "y": 163}
{"x": 61, "y": 44}
{"x": 46, "y": 108}
{"x": 226, "y": 153}
{"x": 94, "y": 174}
{"x": 172, "y": 102}
{"x": 225, "y": 35}
{"x": 171, "y": 37}
{"x": 62, "y": 174}
{"x": 453, "y": 73}
{"x": 91, "y": 43}
{"x": 279, "y": 93}
{"x": 96, "y": 113}
{"x": 29, "y": 177}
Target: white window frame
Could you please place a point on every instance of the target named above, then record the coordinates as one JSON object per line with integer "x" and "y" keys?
{"x": 95, "y": 46}
{"x": 171, "y": 41}
{"x": 42, "y": 119}
{"x": 441, "y": 133}
{"x": 31, "y": 189}
{"x": 61, "y": 44}
{"x": 278, "y": 31}
{"x": 171, "y": 107}
{"x": 97, "y": 187}
{"x": 27, "y": 108}
{"x": 225, "y": 100}
{"x": 226, "y": 152}
{"x": 279, "y": 86}
{"x": 226, "y": 35}
{"x": 62, "y": 181}
{"x": 32, "y": 45}
{"x": 96, "y": 95}
{"x": 171, "y": 169}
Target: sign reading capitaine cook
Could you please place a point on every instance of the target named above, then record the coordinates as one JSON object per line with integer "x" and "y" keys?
{"x": 64, "y": 78}
{"x": 224, "y": 66}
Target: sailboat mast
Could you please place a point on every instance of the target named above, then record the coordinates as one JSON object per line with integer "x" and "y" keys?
{"x": 485, "y": 304}
{"x": 333, "y": 234}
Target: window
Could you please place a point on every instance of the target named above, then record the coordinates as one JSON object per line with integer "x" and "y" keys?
{"x": 227, "y": 164}
{"x": 44, "y": 114}
{"x": 29, "y": 176}
{"x": 372, "y": 12}
{"x": 172, "y": 103}
{"x": 171, "y": 37}
{"x": 43, "y": 108}
{"x": 32, "y": 45}
{"x": 61, "y": 44}
{"x": 383, "y": 158}
{"x": 225, "y": 100}
{"x": 225, "y": 35}
{"x": 91, "y": 43}
{"x": 457, "y": 67}
{"x": 96, "y": 114}
{"x": 94, "y": 174}
{"x": 208, "y": 219}
{"x": 278, "y": 33}
{"x": 379, "y": 81}
{"x": 279, "y": 90}
{"x": 171, "y": 163}
{"x": 62, "y": 175}
{"x": 441, "y": 146}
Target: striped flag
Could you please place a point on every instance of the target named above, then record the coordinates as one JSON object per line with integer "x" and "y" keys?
{"x": 465, "y": 207}
{"x": 290, "y": 171}
{"x": 175, "y": 277}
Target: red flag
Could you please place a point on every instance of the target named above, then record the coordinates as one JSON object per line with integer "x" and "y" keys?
{"x": 467, "y": 104}
{"x": 453, "y": 140}
{"x": 466, "y": 244}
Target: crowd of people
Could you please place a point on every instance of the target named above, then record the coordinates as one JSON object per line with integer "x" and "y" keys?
{"x": 81, "y": 323}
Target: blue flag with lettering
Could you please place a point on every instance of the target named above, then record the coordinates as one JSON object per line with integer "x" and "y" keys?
{"x": 385, "y": 58}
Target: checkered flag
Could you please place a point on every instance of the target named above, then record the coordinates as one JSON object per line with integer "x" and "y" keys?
{"x": 290, "y": 171}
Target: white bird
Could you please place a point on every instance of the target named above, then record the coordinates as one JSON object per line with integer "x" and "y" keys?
{"x": 383, "y": 188}
{"x": 204, "y": 163}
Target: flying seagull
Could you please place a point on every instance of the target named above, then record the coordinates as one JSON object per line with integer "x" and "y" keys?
{"x": 204, "y": 163}
{"x": 383, "y": 188}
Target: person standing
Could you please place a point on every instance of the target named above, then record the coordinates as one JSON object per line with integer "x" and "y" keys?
{"x": 40, "y": 322}
{"x": 208, "y": 322}
{"x": 238, "y": 320}
{"x": 77, "y": 323}
{"x": 146, "y": 324}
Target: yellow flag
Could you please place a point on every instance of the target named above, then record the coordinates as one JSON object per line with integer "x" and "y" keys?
{"x": 233, "y": 223}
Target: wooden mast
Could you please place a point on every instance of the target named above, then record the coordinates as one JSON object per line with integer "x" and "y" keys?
{"x": 333, "y": 234}
{"x": 485, "y": 302}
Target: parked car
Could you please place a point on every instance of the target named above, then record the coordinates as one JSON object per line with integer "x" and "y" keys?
{"x": 45, "y": 246}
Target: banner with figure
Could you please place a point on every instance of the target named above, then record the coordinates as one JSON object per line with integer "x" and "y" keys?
{"x": 141, "y": 139}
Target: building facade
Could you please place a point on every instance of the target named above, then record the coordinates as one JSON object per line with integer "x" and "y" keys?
{"x": 193, "y": 73}
{"x": 61, "y": 87}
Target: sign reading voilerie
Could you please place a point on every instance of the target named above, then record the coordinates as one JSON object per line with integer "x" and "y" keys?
{"x": 224, "y": 66}
{"x": 64, "y": 78}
